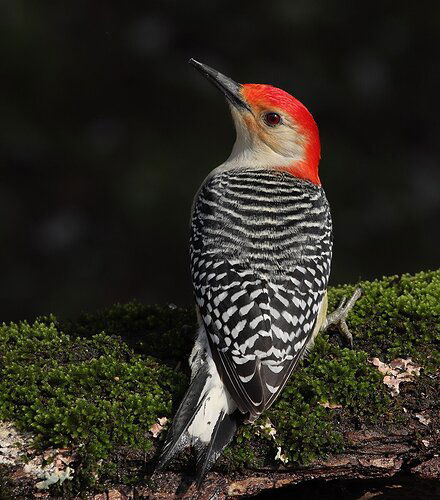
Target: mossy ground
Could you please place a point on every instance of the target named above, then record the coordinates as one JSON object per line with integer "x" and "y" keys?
{"x": 97, "y": 384}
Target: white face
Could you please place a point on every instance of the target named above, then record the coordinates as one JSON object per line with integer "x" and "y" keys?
{"x": 265, "y": 139}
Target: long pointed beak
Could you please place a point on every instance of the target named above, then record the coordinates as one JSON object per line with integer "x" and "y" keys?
{"x": 228, "y": 87}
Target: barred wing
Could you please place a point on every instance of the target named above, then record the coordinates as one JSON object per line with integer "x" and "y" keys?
{"x": 258, "y": 330}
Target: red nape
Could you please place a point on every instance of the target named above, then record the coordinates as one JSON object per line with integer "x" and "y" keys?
{"x": 275, "y": 99}
{"x": 303, "y": 171}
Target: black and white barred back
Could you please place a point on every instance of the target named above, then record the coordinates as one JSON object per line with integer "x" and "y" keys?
{"x": 261, "y": 243}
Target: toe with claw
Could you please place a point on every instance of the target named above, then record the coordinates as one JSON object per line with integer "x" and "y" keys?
{"x": 339, "y": 316}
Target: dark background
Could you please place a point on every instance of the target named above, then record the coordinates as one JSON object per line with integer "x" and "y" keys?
{"x": 107, "y": 133}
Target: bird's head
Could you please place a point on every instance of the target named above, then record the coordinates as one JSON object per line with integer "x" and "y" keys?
{"x": 274, "y": 130}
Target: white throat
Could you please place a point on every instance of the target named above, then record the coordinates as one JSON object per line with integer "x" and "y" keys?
{"x": 249, "y": 151}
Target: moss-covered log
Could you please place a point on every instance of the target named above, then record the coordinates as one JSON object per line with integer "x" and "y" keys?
{"x": 83, "y": 404}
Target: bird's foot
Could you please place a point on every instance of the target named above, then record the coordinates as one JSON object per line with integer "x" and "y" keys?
{"x": 339, "y": 317}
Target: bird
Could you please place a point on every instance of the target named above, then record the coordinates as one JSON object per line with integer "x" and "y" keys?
{"x": 260, "y": 256}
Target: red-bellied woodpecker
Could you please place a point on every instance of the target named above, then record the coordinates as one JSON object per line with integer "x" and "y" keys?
{"x": 261, "y": 247}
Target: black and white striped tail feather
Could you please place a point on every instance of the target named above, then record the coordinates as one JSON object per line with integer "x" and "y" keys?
{"x": 178, "y": 437}
{"x": 206, "y": 418}
{"x": 223, "y": 432}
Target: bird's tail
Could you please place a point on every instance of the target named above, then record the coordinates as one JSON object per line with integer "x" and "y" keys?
{"x": 207, "y": 417}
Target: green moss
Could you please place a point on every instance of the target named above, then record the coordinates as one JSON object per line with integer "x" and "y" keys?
{"x": 94, "y": 385}
{"x": 240, "y": 454}
{"x": 91, "y": 394}
{"x": 333, "y": 375}
{"x": 397, "y": 316}
{"x": 165, "y": 332}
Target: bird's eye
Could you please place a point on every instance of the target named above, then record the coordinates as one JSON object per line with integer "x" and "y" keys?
{"x": 272, "y": 119}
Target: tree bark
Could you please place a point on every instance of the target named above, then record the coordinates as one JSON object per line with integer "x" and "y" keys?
{"x": 370, "y": 454}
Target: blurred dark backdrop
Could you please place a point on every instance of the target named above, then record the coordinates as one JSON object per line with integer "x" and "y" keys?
{"x": 107, "y": 133}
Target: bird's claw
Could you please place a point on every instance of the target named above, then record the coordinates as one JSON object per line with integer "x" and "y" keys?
{"x": 339, "y": 316}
